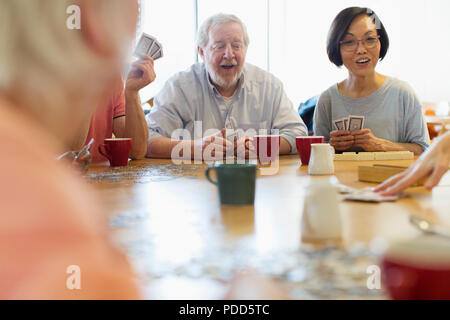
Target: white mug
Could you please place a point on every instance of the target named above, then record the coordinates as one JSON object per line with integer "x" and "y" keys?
{"x": 322, "y": 159}
{"x": 321, "y": 218}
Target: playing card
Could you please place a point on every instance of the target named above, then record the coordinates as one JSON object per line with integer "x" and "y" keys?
{"x": 158, "y": 54}
{"x": 355, "y": 123}
{"x": 154, "y": 49}
{"x": 368, "y": 197}
{"x": 343, "y": 189}
{"x": 339, "y": 124}
{"x": 231, "y": 135}
{"x": 346, "y": 120}
{"x": 364, "y": 195}
{"x": 144, "y": 45}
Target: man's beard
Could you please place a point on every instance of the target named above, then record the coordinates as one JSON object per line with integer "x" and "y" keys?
{"x": 219, "y": 81}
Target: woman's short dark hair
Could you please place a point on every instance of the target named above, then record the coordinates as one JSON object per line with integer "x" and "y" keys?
{"x": 339, "y": 29}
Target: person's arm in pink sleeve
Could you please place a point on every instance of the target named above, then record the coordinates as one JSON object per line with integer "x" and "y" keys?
{"x": 134, "y": 125}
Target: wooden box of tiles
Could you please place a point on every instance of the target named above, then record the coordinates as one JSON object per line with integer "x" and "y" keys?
{"x": 374, "y": 156}
{"x": 379, "y": 173}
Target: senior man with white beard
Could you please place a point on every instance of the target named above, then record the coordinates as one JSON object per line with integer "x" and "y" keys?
{"x": 223, "y": 94}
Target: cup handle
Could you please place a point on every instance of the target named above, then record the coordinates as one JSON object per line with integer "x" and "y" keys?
{"x": 103, "y": 149}
{"x": 208, "y": 177}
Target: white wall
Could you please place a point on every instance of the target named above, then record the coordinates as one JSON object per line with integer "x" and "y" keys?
{"x": 288, "y": 37}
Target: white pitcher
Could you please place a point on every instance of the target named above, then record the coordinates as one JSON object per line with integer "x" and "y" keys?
{"x": 322, "y": 159}
{"x": 321, "y": 218}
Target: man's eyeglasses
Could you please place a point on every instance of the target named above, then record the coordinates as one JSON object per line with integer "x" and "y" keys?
{"x": 350, "y": 45}
{"x": 220, "y": 47}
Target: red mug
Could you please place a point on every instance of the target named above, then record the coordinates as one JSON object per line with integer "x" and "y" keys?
{"x": 267, "y": 147}
{"x": 304, "y": 147}
{"x": 116, "y": 150}
{"x": 418, "y": 269}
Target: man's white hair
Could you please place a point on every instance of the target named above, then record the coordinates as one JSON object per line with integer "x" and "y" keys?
{"x": 43, "y": 64}
{"x": 216, "y": 20}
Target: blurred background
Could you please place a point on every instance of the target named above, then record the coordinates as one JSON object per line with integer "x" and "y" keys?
{"x": 288, "y": 38}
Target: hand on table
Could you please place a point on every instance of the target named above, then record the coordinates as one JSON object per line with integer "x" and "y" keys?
{"x": 433, "y": 163}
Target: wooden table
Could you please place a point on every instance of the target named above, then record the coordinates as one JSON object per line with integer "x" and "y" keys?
{"x": 176, "y": 213}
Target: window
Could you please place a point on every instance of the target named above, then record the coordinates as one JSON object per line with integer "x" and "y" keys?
{"x": 172, "y": 22}
{"x": 288, "y": 38}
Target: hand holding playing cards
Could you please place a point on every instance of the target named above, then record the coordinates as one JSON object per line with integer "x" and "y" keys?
{"x": 142, "y": 74}
{"x": 365, "y": 140}
{"x": 243, "y": 148}
{"x": 434, "y": 163}
{"x": 216, "y": 146}
{"x": 341, "y": 140}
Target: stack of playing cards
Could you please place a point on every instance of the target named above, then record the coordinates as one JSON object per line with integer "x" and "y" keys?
{"x": 364, "y": 195}
{"x": 232, "y": 135}
{"x": 351, "y": 123}
{"x": 150, "y": 46}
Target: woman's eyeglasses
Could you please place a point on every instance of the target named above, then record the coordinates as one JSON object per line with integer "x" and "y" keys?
{"x": 350, "y": 45}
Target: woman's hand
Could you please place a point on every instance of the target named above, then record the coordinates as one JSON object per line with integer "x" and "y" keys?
{"x": 365, "y": 140}
{"x": 433, "y": 163}
{"x": 341, "y": 140}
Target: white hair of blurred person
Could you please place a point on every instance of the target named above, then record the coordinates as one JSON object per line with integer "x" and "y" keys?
{"x": 56, "y": 75}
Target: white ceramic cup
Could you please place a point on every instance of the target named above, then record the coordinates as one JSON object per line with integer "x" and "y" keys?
{"x": 322, "y": 159}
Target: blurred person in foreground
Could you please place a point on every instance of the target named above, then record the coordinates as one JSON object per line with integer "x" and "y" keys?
{"x": 434, "y": 163}
{"x": 50, "y": 79}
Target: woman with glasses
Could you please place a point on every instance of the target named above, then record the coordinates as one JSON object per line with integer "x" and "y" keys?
{"x": 393, "y": 119}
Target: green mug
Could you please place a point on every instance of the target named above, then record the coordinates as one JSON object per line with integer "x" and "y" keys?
{"x": 236, "y": 182}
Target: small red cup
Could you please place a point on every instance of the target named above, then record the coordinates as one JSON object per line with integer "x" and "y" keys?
{"x": 116, "y": 150}
{"x": 304, "y": 147}
{"x": 418, "y": 269}
{"x": 267, "y": 147}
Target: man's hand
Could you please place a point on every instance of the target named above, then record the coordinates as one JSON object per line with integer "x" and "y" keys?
{"x": 141, "y": 75}
{"x": 341, "y": 140}
{"x": 243, "y": 148}
{"x": 215, "y": 147}
{"x": 365, "y": 140}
